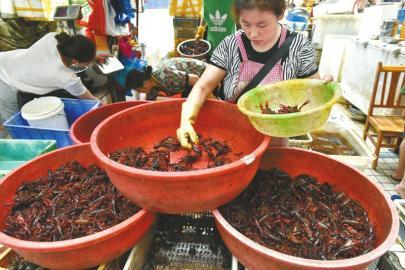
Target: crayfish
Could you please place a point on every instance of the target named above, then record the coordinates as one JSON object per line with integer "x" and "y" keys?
{"x": 301, "y": 217}
{"x": 69, "y": 202}
{"x": 194, "y": 48}
{"x": 159, "y": 158}
{"x": 283, "y": 109}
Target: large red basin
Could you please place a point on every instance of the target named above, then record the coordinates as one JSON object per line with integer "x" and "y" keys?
{"x": 380, "y": 209}
{"x": 79, "y": 253}
{"x": 83, "y": 127}
{"x": 179, "y": 192}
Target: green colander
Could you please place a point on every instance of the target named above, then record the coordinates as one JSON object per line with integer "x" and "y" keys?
{"x": 292, "y": 92}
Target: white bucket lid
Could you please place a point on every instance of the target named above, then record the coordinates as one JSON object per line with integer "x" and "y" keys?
{"x": 39, "y": 108}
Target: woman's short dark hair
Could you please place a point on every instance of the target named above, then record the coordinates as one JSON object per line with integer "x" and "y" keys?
{"x": 277, "y": 6}
{"x": 136, "y": 77}
{"x": 76, "y": 47}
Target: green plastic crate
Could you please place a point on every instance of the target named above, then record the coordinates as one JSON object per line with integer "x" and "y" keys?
{"x": 14, "y": 153}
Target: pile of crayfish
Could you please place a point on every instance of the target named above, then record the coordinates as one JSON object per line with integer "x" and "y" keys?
{"x": 159, "y": 158}
{"x": 301, "y": 217}
{"x": 70, "y": 202}
{"x": 283, "y": 108}
{"x": 194, "y": 47}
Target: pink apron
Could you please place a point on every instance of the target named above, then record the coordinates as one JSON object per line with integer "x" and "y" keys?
{"x": 248, "y": 69}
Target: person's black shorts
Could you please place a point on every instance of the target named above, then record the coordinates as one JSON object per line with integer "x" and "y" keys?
{"x": 24, "y": 97}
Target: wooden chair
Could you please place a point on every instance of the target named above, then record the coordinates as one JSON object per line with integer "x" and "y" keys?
{"x": 387, "y": 129}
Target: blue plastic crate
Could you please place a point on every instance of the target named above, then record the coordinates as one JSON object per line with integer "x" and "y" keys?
{"x": 19, "y": 128}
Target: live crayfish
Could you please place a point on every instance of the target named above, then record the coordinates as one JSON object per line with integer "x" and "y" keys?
{"x": 70, "y": 202}
{"x": 159, "y": 158}
{"x": 301, "y": 217}
{"x": 194, "y": 47}
{"x": 283, "y": 109}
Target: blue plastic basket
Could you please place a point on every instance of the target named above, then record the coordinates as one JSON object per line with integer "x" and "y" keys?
{"x": 19, "y": 128}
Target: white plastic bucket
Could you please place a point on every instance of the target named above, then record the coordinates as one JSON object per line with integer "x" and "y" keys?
{"x": 45, "y": 112}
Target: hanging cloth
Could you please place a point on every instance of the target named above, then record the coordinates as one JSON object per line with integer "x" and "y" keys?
{"x": 219, "y": 19}
{"x": 97, "y": 19}
{"x": 111, "y": 28}
{"x": 124, "y": 11}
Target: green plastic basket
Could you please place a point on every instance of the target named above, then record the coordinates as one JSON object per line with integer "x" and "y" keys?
{"x": 14, "y": 153}
{"x": 292, "y": 92}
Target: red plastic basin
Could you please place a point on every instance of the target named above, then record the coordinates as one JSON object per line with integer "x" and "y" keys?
{"x": 380, "y": 209}
{"x": 179, "y": 192}
{"x": 79, "y": 253}
{"x": 83, "y": 127}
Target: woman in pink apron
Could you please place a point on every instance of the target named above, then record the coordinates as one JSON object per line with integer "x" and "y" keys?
{"x": 239, "y": 57}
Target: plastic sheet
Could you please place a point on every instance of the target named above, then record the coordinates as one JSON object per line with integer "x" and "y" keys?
{"x": 359, "y": 72}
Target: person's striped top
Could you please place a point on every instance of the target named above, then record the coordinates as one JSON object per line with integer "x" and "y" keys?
{"x": 300, "y": 62}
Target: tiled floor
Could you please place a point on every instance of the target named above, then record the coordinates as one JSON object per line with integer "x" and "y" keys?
{"x": 386, "y": 165}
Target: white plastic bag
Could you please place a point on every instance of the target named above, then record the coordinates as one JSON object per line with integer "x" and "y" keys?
{"x": 111, "y": 28}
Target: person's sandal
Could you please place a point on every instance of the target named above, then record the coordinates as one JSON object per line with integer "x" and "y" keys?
{"x": 395, "y": 179}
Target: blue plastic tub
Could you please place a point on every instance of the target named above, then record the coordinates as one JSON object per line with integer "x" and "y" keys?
{"x": 19, "y": 128}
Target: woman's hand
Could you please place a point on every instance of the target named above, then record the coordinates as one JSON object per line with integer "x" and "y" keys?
{"x": 211, "y": 77}
{"x": 187, "y": 135}
{"x": 89, "y": 95}
{"x": 327, "y": 78}
{"x": 102, "y": 58}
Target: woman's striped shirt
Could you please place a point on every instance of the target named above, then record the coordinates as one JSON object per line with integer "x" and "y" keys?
{"x": 300, "y": 62}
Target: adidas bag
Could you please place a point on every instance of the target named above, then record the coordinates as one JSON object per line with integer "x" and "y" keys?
{"x": 219, "y": 19}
